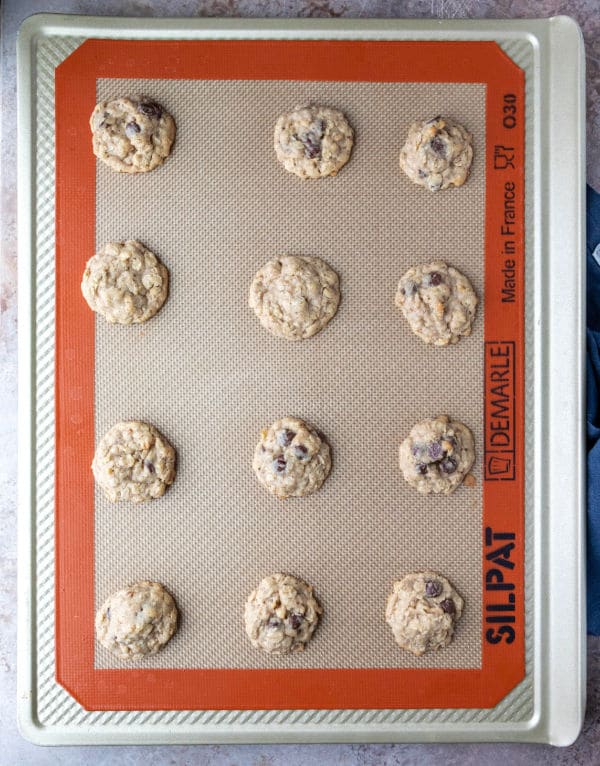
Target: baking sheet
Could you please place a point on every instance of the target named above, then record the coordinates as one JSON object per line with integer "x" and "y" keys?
{"x": 210, "y": 377}
{"x": 48, "y": 714}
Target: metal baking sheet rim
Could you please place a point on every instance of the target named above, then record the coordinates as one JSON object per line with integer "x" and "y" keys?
{"x": 555, "y": 492}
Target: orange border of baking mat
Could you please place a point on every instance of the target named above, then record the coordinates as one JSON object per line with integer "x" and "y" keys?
{"x": 503, "y": 544}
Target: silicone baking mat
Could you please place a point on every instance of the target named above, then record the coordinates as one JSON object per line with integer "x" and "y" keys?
{"x": 209, "y": 377}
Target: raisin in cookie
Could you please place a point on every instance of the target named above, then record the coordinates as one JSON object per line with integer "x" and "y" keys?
{"x": 137, "y": 621}
{"x": 437, "y": 154}
{"x": 295, "y": 296}
{"x": 125, "y": 282}
{"x": 422, "y": 612}
{"x": 281, "y": 614}
{"x": 132, "y": 135}
{"x": 313, "y": 141}
{"x": 134, "y": 462}
{"x": 437, "y": 455}
{"x": 291, "y": 459}
{"x": 438, "y": 302}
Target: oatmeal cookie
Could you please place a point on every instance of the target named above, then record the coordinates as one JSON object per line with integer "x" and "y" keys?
{"x": 422, "y": 612}
{"x": 291, "y": 459}
{"x": 437, "y": 154}
{"x": 281, "y": 614}
{"x": 132, "y": 135}
{"x": 295, "y": 296}
{"x": 437, "y": 455}
{"x": 134, "y": 462}
{"x": 313, "y": 141}
{"x": 439, "y": 303}
{"x": 125, "y": 282}
{"x": 137, "y": 621}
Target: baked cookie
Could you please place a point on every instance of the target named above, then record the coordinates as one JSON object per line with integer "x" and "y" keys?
{"x": 132, "y": 135}
{"x": 422, "y": 612}
{"x": 295, "y": 296}
{"x": 313, "y": 141}
{"x": 137, "y": 621}
{"x": 281, "y": 614}
{"x": 134, "y": 462}
{"x": 437, "y": 154}
{"x": 437, "y": 455}
{"x": 291, "y": 459}
{"x": 438, "y": 302}
{"x": 125, "y": 282}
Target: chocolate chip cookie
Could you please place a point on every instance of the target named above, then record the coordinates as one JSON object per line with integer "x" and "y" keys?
{"x": 137, "y": 621}
{"x": 281, "y": 614}
{"x": 295, "y": 296}
{"x": 437, "y": 455}
{"x": 437, "y": 154}
{"x": 313, "y": 141}
{"x": 439, "y": 303}
{"x": 291, "y": 459}
{"x": 133, "y": 461}
{"x": 422, "y": 612}
{"x": 132, "y": 135}
{"x": 125, "y": 282}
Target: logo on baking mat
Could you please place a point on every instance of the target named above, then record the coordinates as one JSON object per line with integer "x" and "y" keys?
{"x": 500, "y": 466}
{"x": 500, "y": 410}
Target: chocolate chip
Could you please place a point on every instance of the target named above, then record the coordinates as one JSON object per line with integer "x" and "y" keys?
{"x": 285, "y": 437}
{"x": 448, "y": 465}
{"x": 274, "y": 622}
{"x": 421, "y": 468}
{"x": 295, "y": 620}
{"x": 300, "y": 451}
{"x": 279, "y": 464}
{"x": 448, "y": 606}
{"x": 435, "y": 278}
{"x": 435, "y": 451}
{"x": 132, "y": 129}
{"x": 150, "y": 109}
{"x": 311, "y": 151}
{"x": 437, "y": 145}
{"x": 312, "y": 146}
{"x": 422, "y": 174}
{"x": 149, "y": 466}
{"x": 433, "y": 588}
{"x": 312, "y": 140}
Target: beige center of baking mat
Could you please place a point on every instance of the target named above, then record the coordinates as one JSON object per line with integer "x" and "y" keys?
{"x": 210, "y": 377}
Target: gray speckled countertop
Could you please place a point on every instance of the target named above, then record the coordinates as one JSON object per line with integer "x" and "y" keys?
{"x": 16, "y": 750}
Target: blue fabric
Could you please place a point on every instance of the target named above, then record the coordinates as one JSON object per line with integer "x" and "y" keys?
{"x": 593, "y": 411}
